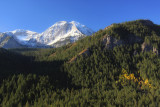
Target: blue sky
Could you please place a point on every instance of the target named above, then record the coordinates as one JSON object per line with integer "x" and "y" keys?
{"x": 38, "y": 15}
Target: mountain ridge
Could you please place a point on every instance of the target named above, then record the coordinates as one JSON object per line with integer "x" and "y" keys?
{"x": 59, "y": 34}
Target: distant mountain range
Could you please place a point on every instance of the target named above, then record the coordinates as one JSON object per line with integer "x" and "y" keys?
{"x": 61, "y": 33}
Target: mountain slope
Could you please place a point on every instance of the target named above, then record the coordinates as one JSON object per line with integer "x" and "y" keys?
{"x": 23, "y": 36}
{"x": 61, "y": 33}
{"x": 7, "y": 41}
{"x": 109, "y": 68}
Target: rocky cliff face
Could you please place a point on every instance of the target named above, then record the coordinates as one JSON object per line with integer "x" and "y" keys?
{"x": 110, "y": 42}
{"x": 147, "y": 47}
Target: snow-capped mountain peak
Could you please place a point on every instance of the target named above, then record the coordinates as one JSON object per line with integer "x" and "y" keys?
{"x": 82, "y": 28}
{"x": 59, "y": 34}
{"x": 22, "y": 36}
{"x": 61, "y": 30}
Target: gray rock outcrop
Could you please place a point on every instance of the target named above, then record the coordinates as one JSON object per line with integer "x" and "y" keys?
{"x": 110, "y": 42}
{"x": 148, "y": 47}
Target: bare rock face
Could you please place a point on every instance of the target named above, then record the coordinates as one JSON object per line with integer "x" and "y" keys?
{"x": 147, "y": 47}
{"x": 110, "y": 42}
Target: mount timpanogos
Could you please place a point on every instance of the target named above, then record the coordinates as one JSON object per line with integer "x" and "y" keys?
{"x": 61, "y": 33}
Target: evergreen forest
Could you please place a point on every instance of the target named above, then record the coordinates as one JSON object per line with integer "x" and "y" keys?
{"x": 118, "y": 66}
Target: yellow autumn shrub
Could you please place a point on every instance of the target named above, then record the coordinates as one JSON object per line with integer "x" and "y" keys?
{"x": 125, "y": 78}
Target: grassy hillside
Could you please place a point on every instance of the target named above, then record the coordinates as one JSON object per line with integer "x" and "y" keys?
{"x": 117, "y": 66}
